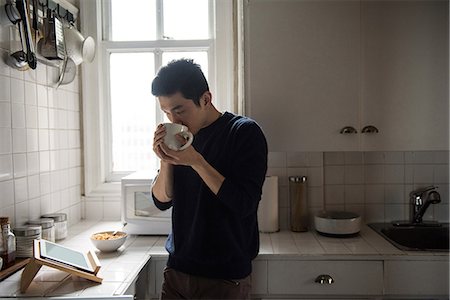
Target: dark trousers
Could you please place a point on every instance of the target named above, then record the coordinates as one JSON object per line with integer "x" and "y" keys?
{"x": 178, "y": 285}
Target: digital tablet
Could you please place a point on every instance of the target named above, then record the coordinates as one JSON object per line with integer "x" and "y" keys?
{"x": 65, "y": 255}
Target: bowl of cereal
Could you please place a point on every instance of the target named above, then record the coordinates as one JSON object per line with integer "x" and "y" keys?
{"x": 108, "y": 241}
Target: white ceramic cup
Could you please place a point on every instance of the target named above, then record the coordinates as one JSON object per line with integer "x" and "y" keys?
{"x": 170, "y": 139}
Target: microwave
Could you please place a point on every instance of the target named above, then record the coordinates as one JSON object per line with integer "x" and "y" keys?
{"x": 138, "y": 212}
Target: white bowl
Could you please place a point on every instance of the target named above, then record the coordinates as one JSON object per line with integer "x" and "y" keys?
{"x": 105, "y": 242}
{"x": 1, "y": 263}
{"x": 337, "y": 223}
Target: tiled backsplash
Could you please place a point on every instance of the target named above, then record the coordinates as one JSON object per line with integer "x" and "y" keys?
{"x": 40, "y": 143}
{"x": 374, "y": 184}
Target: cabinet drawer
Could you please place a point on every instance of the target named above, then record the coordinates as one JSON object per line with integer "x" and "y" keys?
{"x": 350, "y": 277}
{"x": 416, "y": 277}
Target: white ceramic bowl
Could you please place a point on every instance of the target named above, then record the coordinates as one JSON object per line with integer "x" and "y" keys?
{"x": 338, "y": 223}
{"x": 1, "y": 263}
{"x": 105, "y": 242}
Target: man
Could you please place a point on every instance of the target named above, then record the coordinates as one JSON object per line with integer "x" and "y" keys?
{"x": 214, "y": 187}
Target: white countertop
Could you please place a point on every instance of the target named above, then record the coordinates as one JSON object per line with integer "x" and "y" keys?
{"x": 119, "y": 269}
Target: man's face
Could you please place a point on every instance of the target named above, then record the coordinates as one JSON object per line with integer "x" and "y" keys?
{"x": 183, "y": 111}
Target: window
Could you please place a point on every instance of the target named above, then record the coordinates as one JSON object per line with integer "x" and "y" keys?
{"x": 139, "y": 36}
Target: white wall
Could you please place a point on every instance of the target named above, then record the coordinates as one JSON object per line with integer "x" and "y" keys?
{"x": 40, "y": 141}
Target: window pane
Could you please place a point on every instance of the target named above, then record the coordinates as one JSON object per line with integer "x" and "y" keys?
{"x": 186, "y": 19}
{"x": 133, "y": 111}
{"x": 133, "y": 20}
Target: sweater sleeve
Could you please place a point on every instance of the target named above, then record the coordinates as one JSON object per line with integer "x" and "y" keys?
{"x": 242, "y": 188}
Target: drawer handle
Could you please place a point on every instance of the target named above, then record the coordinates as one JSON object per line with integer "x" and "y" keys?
{"x": 324, "y": 279}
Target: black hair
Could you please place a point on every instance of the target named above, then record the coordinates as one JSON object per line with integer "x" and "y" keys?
{"x": 182, "y": 75}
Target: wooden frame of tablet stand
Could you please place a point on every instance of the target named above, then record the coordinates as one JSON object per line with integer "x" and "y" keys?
{"x": 37, "y": 262}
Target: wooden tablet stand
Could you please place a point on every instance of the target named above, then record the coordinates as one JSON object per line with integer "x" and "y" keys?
{"x": 37, "y": 262}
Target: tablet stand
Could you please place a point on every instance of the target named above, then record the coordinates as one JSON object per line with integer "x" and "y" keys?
{"x": 37, "y": 261}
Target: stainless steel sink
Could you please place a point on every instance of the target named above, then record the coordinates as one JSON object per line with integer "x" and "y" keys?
{"x": 415, "y": 237}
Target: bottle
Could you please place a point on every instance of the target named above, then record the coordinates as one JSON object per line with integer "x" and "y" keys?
{"x": 298, "y": 203}
{"x": 7, "y": 244}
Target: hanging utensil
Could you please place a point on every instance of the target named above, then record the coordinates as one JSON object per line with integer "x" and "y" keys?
{"x": 18, "y": 59}
{"x": 31, "y": 57}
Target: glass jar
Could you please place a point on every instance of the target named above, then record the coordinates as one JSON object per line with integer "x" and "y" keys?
{"x": 7, "y": 244}
{"x": 60, "y": 224}
{"x": 25, "y": 237}
{"x": 298, "y": 203}
{"x": 48, "y": 228}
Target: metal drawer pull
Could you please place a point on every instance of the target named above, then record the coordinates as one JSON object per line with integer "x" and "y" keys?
{"x": 348, "y": 129}
{"x": 369, "y": 129}
{"x": 324, "y": 279}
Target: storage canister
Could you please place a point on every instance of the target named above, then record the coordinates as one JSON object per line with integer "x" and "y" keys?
{"x": 7, "y": 243}
{"x": 25, "y": 237}
{"x": 298, "y": 203}
{"x": 48, "y": 228}
{"x": 60, "y": 224}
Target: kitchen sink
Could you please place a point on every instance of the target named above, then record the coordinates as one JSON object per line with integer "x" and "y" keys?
{"x": 413, "y": 237}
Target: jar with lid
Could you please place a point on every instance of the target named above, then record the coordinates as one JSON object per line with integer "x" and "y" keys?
{"x": 298, "y": 203}
{"x": 60, "y": 224}
{"x": 7, "y": 244}
{"x": 48, "y": 228}
{"x": 25, "y": 237}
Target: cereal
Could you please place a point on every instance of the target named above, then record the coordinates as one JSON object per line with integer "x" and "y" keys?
{"x": 107, "y": 236}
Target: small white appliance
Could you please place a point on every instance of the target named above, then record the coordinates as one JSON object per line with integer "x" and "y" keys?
{"x": 139, "y": 213}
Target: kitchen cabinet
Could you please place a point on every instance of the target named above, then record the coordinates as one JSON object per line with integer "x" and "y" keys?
{"x": 315, "y": 67}
{"x": 405, "y": 74}
{"x": 355, "y": 278}
{"x": 428, "y": 279}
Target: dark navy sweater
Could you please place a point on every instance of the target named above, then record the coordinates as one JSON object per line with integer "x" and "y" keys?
{"x": 216, "y": 236}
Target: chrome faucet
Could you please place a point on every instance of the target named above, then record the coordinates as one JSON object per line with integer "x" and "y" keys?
{"x": 419, "y": 205}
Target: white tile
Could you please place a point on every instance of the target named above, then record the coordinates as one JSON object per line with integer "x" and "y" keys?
{"x": 20, "y": 190}
{"x": 30, "y": 76}
{"x": 334, "y": 194}
{"x": 53, "y": 139}
{"x": 394, "y": 174}
{"x": 297, "y": 159}
{"x": 354, "y": 194}
{"x": 65, "y": 198}
{"x": 43, "y": 117}
{"x": 33, "y": 186}
{"x": 315, "y": 197}
{"x": 4, "y": 68}
{"x": 7, "y": 193}
{"x": 374, "y": 193}
{"x": 5, "y": 88}
{"x": 441, "y": 174}
{"x": 6, "y": 167}
{"x": 423, "y": 174}
{"x": 54, "y": 160}
{"x": 334, "y": 158}
{"x": 334, "y": 175}
{"x": 31, "y": 114}
{"x": 354, "y": 174}
{"x": 18, "y": 115}
{"x": 33, "y": 163}
{"x": 394, "y": 194}
{"x": 441, "y": 212}
{"x": 35, "y": 208}
{"x": 94, "y": 210}
{"x": 20, "y": 165}
{"x": 423, "y": 157}
{"x": 5, "y": 137}
{"x": 111, "y": 211}
{"x": 374, "y": 157}
{"x": 46, "y": 204}
{"x": 315, "y": 159}
{"x": 63, "y": 139}
{"x": 42, "y": 93}
{"x": 32, "y": 140}
{"x": 394, "y": 212}
{"x": 409, "y": 157}
{"x": 22, "y": 212}
{"x": 56, "y": 181}
{"x": 394, "y": 157}
{"x": 52, "y": 118}
{"x": 41, "y": 74}
{"x": 62, "y": 119}
{"x": 43, "y": 140}
{"x": 374, "y": 213}
{"x": 17, "y": 91}
{"x": 374, "y": 173}
{"x": 315, "y": 176}
{"x": 44, "y": 161}
{"x": 5, "y": 114}
{"x": 51, "y": 97}
{"x": 30, "y": 93}
{"x": 441, "y": 157}
{"x": 56, "y": 201}
{"x": 409, "y": 174}
{"x": 19, "y": 138}
{"x": 45, "y": 182}
{"x": 353, "y": 158}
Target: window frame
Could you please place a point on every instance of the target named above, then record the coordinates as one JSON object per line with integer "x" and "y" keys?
{"x": 95, "y": 86}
